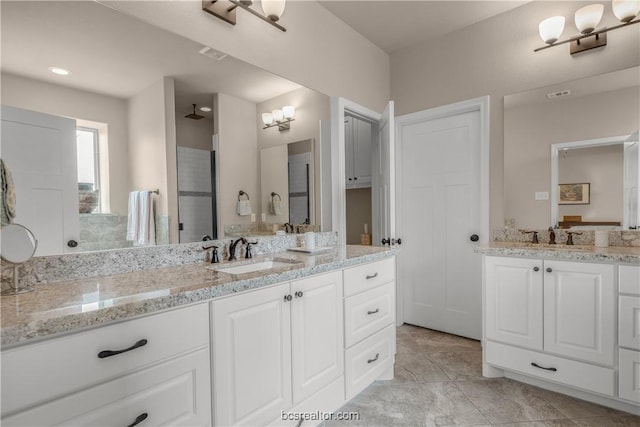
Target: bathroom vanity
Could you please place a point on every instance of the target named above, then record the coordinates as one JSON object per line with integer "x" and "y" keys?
{"x": 565, "y": 319}
{"x": 190, "y": 345}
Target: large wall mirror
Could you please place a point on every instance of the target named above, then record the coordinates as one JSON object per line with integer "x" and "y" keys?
{"x": 568, "y": 153}
{"x": 129, "y": 102}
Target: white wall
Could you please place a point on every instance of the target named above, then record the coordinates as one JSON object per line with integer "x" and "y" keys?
{"x": 529, "y": 132}
{"x": 235, "y": 123}
{"x": 495, "y": 57}
{"x": 318, "y": 50}
{"x": 59, "y": 100}
{"x": 148, "y": 148}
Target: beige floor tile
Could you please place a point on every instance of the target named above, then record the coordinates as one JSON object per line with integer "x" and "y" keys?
{"x": 415, "y": 367}
{"x": 460, "y": 365}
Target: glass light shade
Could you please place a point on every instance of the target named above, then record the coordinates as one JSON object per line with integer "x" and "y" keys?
{"x": 588, "y": 17}
{"x": 277, "y": 115}
{"x": 625, "y": 10}
{"x": 288, "y": 111}
{"x": 551, "y": 29}
{"x": 273, "y": 8}
{"x": 267, "y": 118}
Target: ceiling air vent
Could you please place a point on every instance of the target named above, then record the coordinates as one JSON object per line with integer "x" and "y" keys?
{"x": 558, "y": 94}
{"x": 212, "y": 53}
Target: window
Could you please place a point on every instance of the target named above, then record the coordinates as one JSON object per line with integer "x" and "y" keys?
{"x": 88, "y": 161}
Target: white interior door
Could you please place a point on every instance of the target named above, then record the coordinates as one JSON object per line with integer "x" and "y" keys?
{"x": 440, "y": 216}
{"x": 631, "y": 216}
{"x": 40, "y": 151}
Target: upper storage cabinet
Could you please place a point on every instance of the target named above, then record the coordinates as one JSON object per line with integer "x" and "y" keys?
{"x": 358, "y": 134}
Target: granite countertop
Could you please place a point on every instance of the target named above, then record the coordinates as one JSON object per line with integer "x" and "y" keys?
{"x": 74, "y": 305}
{"x": 611, "y": 254}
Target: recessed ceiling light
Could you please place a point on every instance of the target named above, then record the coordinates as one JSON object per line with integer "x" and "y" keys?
{"x": 205, "y": 109}
{"x": 59, "y": 71}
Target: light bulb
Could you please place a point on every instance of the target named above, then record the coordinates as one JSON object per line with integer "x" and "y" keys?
{"x": 267, "y": 118}
{"x": 588, "y": 17}
{"x": 288, "y": 111}
{"x": 273, "y": 8}
{"x": 551, "y": 29}
{"x": 277, "y": 115}
{"x": 625, "y": 10}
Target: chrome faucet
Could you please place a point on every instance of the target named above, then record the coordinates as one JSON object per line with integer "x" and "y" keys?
{"x": 232, "y": 248}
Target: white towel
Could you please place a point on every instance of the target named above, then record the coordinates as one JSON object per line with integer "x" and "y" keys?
{"x": 141, "y": 224}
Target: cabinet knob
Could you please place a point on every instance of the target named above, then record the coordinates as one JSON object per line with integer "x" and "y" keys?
{"x": 549, "y": 270}
{"x": 72, "y": 243}
{"x": 299, "y": 294}
{"x": 355, "y": 178}
{"x": 350, "y": 179}
{"x": 536, "y": 268}
{"x": 288, "y": 298}
{"x": 474, "y": 238}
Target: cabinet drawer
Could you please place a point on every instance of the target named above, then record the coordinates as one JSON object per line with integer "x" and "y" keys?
{"x": 41, "y": 371}
{"x": 629, "y": 277}
{"x": 368, "y": 312}
{"x": 629, "y": 328}
{"x": 568, "y": 372}
{"x": 367, "y": 360}
{"x": 175, "y": 393}
{"x": 363, "y": 277}
{"x": 629, "y": 375}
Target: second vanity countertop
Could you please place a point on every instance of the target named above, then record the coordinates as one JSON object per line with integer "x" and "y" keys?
{"x": 587, "y": 253}
{"x": 74, "y": 305}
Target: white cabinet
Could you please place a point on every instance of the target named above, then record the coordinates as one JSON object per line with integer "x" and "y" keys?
{"x": 629, "y": 333}
{"x": 579, "y": 311}
{"x": 513, "y": 301}
{"x": 358, "y": 160}
{"x": 565, "y": 311}
{"x": 157, "y": 365}
{"x": 275, "y": 347}
{"x": 369, "y": 324}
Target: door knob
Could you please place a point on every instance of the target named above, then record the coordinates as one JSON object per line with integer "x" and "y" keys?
{"x": 474, "y": 238}
{"x": 72, "y": 243}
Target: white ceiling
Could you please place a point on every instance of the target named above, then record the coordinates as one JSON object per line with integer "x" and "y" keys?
{"x": 111, "y": 53}
{"x": 395, "y": 24}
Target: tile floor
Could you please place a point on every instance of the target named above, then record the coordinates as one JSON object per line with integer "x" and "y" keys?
{"x": 438, "y": 382}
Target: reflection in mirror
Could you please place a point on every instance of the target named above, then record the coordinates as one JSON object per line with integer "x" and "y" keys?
{"x": 287, "y": 183}
{"x": 593, "y": 108}
{"x": 17, "y": 245}
{"x": 132, "y": 85}
{"x": 590, "y": 185}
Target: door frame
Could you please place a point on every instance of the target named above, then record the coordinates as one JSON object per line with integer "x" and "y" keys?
{"x": 338, "y": 174}
{"x": 480, "y": 104}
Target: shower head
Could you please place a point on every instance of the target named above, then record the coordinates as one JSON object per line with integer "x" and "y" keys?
{"x": 194, "y": 116}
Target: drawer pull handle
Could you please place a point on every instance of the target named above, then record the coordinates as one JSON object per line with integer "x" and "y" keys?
{"x": 374, "y": 311}
{"x": 374, "y": 359}
{"x": 372, "y": 276}
{"x": 109, "y": 353}
{"x": 535, "y": 365}
{"x": 140, "y": 418}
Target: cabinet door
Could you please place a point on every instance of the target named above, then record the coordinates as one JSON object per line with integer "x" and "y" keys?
{"x": 362, "y": 153}
{"x": 513, "y": 294}
{"x": 317, "y": 333}
{"x": 252, "y": 356}
{"x": 579, "y": 308}
{"x": 348, "y": 146}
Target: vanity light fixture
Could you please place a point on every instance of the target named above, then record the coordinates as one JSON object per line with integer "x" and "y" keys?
{"x": 59, "y": 71}
{"x": 281, "y": 118}
{"x": 587, "y": 19}
{"x": 226, "y": 10}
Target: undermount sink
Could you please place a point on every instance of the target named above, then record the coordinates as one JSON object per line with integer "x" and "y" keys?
{"x": 253, "y": 267}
